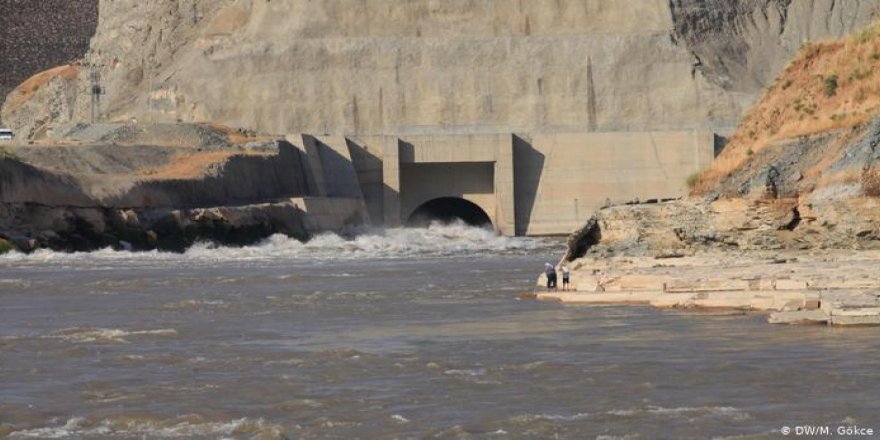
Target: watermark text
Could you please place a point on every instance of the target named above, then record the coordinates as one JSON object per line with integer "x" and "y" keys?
{"x": 827, "y": 431}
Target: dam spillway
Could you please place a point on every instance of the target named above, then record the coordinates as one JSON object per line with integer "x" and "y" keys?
{"x": 526, "y": 184}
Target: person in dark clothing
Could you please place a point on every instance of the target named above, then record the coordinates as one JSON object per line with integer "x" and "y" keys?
{"x": 550, "y": 271}
{"x": 566, "y": 277}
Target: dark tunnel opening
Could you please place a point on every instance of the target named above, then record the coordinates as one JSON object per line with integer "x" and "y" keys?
{"x": 447, "y": 210}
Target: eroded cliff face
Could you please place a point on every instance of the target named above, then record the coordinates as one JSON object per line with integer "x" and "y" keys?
{"x": 162, "y": 186}
{"x": 376, "y": 66}
{"x": 742, "y": 45}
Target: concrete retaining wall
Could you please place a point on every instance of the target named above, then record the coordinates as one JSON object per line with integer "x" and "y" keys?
{"x": 561, "y": 178}
{"x": 330, "y": 214}
{"x": 537, "y": 184}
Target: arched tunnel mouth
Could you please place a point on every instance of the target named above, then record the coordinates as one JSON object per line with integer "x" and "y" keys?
{"x": 448, "y": 210}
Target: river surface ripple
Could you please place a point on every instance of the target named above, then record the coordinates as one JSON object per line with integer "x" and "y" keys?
{"x": 268, "y": 343}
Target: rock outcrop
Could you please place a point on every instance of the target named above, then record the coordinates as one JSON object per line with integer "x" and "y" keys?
{"x": 794, "y": 287}
{"x": 800, "y": 172}
{"x": 161, "y": 186}
{"x": 742, "y": 45}
{"x": 30, "y": 226}
{"x": 369, "y": 67}
{"x": 774, "y": 222}
{"x": 40, "y": 35}
{"x": 809, "y": 123}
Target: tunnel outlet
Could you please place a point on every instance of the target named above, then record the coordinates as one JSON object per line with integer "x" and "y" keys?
{"x": 448, "y": 210}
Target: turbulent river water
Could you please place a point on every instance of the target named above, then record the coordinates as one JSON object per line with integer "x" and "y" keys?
{"x": 394, "y": 334}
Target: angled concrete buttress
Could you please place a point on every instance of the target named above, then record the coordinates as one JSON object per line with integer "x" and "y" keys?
{"x": 525, "y": 183}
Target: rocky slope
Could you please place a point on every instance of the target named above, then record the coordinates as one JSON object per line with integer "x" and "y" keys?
{"x": 800, "y": 171}
{"x": 773, "y": 222}
{"x": 742, "y": 45}
{"x": 161, "y": 186}
{"x": 488, "y": 65}
{"x": 815, "y": 110}
{"x": 39, "y": 35}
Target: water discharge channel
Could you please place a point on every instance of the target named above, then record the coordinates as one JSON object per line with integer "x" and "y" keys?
{"x": 399, "y": 333}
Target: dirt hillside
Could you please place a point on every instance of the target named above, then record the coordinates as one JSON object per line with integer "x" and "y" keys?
{"x": 828, "y": 94}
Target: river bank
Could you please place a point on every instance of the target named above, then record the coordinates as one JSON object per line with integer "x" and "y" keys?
{"x": 162, "y": 186}
{"x": 830, "y": 287}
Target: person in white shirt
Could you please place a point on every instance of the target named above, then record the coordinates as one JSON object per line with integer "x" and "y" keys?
{"x": 566, "y": 277}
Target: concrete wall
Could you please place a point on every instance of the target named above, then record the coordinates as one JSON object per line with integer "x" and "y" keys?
{"x": 366, "y": 155}
{"x": 477, "y": 168}
{"x": 538, "y": 184}
{"x": 330, "y": 214}
{"x": 562, "y": 178}
{"x": 471, "y": 181}
{"x": 528, "y": 184}
{"x": 340, "y": 177}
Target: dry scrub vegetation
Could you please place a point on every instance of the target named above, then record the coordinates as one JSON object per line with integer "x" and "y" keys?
{"x": 238, "y": 136}
{"x": 870, "y": 181}
{"x": 830, "y": 85}
{"x": 195, "y": 165}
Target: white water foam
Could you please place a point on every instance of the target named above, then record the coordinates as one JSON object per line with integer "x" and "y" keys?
{"x": 650, "y": 411}
{"x": 82, "y": 427}
{"x": 105, "y": 335}
{"x": 437, "y": 240}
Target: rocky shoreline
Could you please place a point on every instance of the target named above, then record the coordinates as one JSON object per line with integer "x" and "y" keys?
{"x": 79, "y": 229}
{"x": 161, "y": 187}
{"x": 837, "y": 288}
{"x": 802, "y": 263}
{"x": 794, "y": 231}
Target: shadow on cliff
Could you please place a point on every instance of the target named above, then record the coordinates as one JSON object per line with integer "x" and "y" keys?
{"x": 24, "y": 183}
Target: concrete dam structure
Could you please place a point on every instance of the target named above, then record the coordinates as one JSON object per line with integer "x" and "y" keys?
{"x": 538, "y": 184}
{"x": 527, "y": 114}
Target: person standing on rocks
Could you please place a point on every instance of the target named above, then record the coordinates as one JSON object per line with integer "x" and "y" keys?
{"x": 550, "y": 271}
{"x": 566, "y": 277}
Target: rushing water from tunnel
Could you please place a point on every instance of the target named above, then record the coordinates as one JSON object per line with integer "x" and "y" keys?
{"x": 400, "y": 333}
{"x": 449, "y": 209}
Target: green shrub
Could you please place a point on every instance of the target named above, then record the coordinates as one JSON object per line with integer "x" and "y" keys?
{"x": 831, "y": 85}
{"x": 750, "y": 152}
{"x": 6, "y": 246}
{"x": 786, "y": 85}
{"x": 692, "y": 180}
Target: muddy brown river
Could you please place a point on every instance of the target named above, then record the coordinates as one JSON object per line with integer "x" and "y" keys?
{"x": 396, "y": 334}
